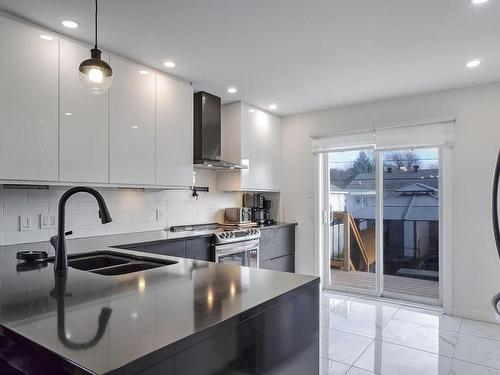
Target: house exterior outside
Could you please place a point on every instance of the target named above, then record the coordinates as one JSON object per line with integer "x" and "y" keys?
{"x": 411, "y": 219}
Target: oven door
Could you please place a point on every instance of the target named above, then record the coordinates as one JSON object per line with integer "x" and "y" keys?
{"x": 244, "y": 253}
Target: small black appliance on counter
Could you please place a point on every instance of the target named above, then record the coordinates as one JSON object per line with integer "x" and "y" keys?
{"x": 261, "y": 208}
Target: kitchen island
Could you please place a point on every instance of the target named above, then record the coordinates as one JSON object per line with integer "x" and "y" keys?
{"x": 191, "y": 317}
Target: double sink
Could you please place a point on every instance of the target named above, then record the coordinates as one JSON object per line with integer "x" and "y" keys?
{"x": 110, "y": 263}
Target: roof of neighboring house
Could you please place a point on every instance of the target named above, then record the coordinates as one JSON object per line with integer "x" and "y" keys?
{"x": 417, "y": 189}
{"x": 410, "y": 207}
{"x": 396, "y": 179}
{"x": 336, "y": 189}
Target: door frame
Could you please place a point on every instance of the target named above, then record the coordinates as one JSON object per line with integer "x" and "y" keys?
{"x": 445, "y": 228}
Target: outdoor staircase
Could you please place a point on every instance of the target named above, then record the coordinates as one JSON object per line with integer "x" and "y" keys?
{"x": 359, "y": 245}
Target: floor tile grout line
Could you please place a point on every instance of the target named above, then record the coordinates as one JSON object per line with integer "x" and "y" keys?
{"x": 351, "y": 333}
{"x": 480, "y": 337}
{"x": 410, "y": 347}
{"x": 427, "y": 326}
{"x": 476, "y": 364}
{"x": 363, "y": 352}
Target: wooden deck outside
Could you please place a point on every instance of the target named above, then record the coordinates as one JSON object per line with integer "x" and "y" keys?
{"x": 396, "y": 284}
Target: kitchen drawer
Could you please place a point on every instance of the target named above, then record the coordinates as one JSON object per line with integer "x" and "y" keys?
{"x": 199, "y": 248}
{"x": 276, "y": 241}
{"x": 285, "y": 263}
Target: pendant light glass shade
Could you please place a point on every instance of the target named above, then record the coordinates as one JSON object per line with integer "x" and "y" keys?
{"x": 95, "y": 74}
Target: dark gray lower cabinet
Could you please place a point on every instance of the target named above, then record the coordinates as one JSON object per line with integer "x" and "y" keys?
{"x": 172, "y": 248}
{"x": 277, "y": 248}
{"x": 199, "y": 249}
{"x": 285, "y": 263}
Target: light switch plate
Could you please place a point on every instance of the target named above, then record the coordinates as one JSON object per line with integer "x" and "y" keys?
{"x": 24, "y": 223}
{"x": 47, "y": 221}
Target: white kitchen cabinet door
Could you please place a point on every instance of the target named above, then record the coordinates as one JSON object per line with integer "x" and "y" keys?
{"x": 174, "y": 132}
{"x": 132, "y": 124}
{"x": 28, "y": 103}
{"x": 260, "y": 150}
{"x": 83, "y": 136}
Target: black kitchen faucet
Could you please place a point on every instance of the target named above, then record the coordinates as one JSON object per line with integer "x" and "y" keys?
{"x": 59, "y": 241}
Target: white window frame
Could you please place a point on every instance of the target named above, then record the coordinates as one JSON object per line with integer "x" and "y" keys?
{"x": 445, "y": 212}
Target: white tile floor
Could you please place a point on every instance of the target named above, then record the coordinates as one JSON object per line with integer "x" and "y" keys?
{"x": 362, "y": 337}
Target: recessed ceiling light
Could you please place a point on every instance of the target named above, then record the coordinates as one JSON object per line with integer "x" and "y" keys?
{"x": 46, "y": 37}
{"x": 251, "y": 110}
{"x": 134, "y": 127}
{"x": 474, "y": 63}
{"x": 169, "y": 64}
{"x": 232, "y": 90}
{"x": 478, "y": 2}
{"x": 68, "y": 113}
{"x": 69, "y": 24}
{"x": 144, "y": 72}
{"x": 272, "y": 106}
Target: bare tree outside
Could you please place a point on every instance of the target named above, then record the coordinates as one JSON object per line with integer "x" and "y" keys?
{"x": 402, "y": 159}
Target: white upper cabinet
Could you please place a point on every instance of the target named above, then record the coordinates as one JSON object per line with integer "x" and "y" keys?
{"x": 83, "y": 122}
{"x": 52, "y": 129}
{"x": 28, "y": 103}
{"x": 174, "y": 132}
{"x": 132, "y": 124}
{"x": 251, "y": 138}
{"x": 260, "y": 150}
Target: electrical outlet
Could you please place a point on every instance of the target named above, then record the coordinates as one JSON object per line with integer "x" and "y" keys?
{"x": 47, "y": 221}
{"x": 24, "y": 223}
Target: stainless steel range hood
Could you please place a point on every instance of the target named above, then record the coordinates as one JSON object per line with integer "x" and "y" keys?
{"x": 207, "y": 134}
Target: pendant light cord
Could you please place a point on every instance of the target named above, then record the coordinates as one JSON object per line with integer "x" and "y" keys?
{"x": 95, "y": 24}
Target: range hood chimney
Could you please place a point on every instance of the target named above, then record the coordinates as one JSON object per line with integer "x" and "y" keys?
{"x": 207, "y": 134}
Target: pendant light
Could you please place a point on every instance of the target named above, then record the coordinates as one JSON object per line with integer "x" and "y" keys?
{"x": 96, "y": 74}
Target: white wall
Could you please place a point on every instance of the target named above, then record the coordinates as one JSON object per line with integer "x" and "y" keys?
{"x": 132, "y": 211}
{"x": 476, "y": 267}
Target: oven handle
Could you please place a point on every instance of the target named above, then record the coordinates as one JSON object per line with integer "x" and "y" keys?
{"x": 237, "y": 247}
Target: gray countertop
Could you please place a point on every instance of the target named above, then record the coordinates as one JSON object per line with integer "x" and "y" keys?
{"x": 149, "y": 310}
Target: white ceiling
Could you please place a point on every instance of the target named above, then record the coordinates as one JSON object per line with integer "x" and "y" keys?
{"x": 300, "y": 54}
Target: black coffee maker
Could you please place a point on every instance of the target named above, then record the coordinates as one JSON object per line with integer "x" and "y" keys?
{"x": 261, "y": 208}
{"x": 267, "y": 213}
{"x": 256, "y": 202}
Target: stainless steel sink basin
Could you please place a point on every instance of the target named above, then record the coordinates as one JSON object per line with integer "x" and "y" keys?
{"x": 111, "y": 263}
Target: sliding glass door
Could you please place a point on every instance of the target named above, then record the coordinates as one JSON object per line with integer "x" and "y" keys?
{"x": 383, "y": 222}
{"x": 410, "y": 212}
{"x": 352, "y": 204}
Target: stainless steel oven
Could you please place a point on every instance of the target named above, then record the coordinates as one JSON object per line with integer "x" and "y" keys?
{"x": 240, "y": 247}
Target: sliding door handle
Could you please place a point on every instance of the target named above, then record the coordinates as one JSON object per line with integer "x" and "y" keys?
{"x": 494, "y": 304}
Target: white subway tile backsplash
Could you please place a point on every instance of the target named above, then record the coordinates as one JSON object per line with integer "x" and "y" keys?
{"x": 10, "y": 222}
{"x": 21, "y": 208}
{"x": 132, "y": 210}
{"x": 35, "y": 235}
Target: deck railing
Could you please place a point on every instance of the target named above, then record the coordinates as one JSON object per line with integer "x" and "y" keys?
{"x": 354, "y": 254}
